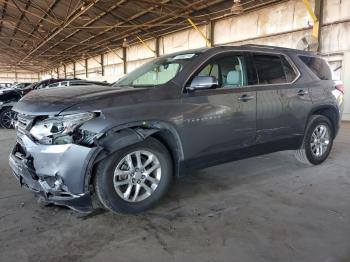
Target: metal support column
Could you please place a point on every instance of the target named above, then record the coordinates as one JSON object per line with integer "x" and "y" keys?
{"x": 146, "y": 45}
{"x": 210, "y": 32}
{"x": 102, "y": 65}
{"x": 157, "y": 47}
{"x": 319, "y": 14}
{"x": 125, "y": 60}
{"x": 200, "y": 32}
{"x": 65, "y": 71}
{"x": 86, "y": 68}
{"x": 316, "y": 27}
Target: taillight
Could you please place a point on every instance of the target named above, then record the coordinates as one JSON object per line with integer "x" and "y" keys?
{"x": 340, "y": 87}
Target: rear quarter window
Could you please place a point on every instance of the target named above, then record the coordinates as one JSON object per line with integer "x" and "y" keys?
{"x": 318, "y": 66}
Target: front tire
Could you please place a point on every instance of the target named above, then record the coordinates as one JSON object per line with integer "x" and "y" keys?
{"x": 134, "y": 178}
{"x": 8, "y": 118}
{"x": 318, "y": 141}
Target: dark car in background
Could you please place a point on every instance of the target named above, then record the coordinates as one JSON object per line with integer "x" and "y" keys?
{"x": 125, "y": 143}
{"x": 78, "y": 83}
{"x": 10, "y": 96}
{"x": 21, "y": 86}
{"x": 40, "y": 85}
{"x": 5, "y": 85}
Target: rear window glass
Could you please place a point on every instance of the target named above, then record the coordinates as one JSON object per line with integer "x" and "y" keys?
{"x": 319, "y": 66}
{"x": 270, "y": 69}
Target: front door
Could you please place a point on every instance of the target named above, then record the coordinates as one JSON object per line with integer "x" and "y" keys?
{"x": 220, "y": 120}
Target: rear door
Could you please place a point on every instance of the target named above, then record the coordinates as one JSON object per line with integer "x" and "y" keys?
{"x": 223, "y": 119}
{"x": 282, "y": 103}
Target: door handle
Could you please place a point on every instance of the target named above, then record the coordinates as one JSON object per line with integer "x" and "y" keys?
{"x": 245, "y": 98}
{"x": 302, "y": 92}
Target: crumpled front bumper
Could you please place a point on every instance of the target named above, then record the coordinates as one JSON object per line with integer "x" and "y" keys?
{"x": 56, "y": 172}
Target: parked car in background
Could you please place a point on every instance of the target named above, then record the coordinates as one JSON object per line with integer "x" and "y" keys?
{"x": 78, "y": 83}
{"x": 41, "y": 84}
{"x": 11, "y": 95}
{"x": 125, "y": 143}
{"x": 21, "y": 86}
{"x": 5, "y": 85}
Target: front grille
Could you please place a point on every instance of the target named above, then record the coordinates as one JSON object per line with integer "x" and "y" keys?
{"x": 23, "y": 123}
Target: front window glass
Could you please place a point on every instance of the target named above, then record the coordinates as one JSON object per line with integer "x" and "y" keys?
{"x": 157, "y": 72}
{"x": 229, "y": 70}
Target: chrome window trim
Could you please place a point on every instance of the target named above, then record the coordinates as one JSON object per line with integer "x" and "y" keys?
{"x": 289, "y": 60}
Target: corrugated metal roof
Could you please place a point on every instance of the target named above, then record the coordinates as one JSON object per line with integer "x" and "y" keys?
{"x": 39, "y": 35}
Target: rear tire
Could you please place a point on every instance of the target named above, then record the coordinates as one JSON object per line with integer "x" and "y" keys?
{"x": 122, "y": 183}
{"x": 7, "y": 118}
{"x": 318, "y": 141}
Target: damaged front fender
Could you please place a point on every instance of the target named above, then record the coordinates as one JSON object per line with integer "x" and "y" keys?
{"x": 112, "y": 142}
{"x": 121, "y": 139}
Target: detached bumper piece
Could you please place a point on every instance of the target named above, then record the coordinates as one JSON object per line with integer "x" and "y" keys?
{"x": 51, "y": 187}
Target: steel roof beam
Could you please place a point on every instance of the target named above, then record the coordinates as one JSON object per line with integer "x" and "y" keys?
{"x": 79, "y": 11}
{"x": 4, "y": 9}
{"x": 51, "y": 6}
{"x": 86, "y": 24}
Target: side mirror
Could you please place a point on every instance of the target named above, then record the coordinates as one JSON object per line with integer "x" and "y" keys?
{"x": 203, "y": 82}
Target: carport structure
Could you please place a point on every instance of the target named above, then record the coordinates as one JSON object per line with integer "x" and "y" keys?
{"x": 43, "y": 34}
{"x": 267, "y": 208}
{"x": 105, "y": 39}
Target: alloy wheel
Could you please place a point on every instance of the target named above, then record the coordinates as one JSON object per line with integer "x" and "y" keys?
{"x": 137, "y": 176}
{"x": 320, "y": 140}
{"x": 8, "y": 119}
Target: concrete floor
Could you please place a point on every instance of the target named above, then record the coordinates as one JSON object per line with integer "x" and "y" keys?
{"x": 268, "y": 208}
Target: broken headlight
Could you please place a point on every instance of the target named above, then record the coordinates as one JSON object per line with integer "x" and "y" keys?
{"x": 59, "y": 130}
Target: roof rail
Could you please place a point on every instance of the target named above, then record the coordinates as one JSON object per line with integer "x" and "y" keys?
{"x": 282, "y": 48}
{"x": 262, "y": 46}
{"x": 271, "y": 47}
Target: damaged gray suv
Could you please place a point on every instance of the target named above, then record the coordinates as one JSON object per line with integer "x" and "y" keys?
{"x": 123, "y": 145}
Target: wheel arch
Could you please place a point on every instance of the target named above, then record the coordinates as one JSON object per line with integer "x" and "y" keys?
{"x": 132, "y": 133}
{"x": 331, "y": 113}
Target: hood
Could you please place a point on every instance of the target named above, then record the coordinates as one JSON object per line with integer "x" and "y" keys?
{"x": 52, "y": 101}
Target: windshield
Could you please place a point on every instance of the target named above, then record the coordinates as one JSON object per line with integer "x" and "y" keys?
{"x": 156, "y": 72}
